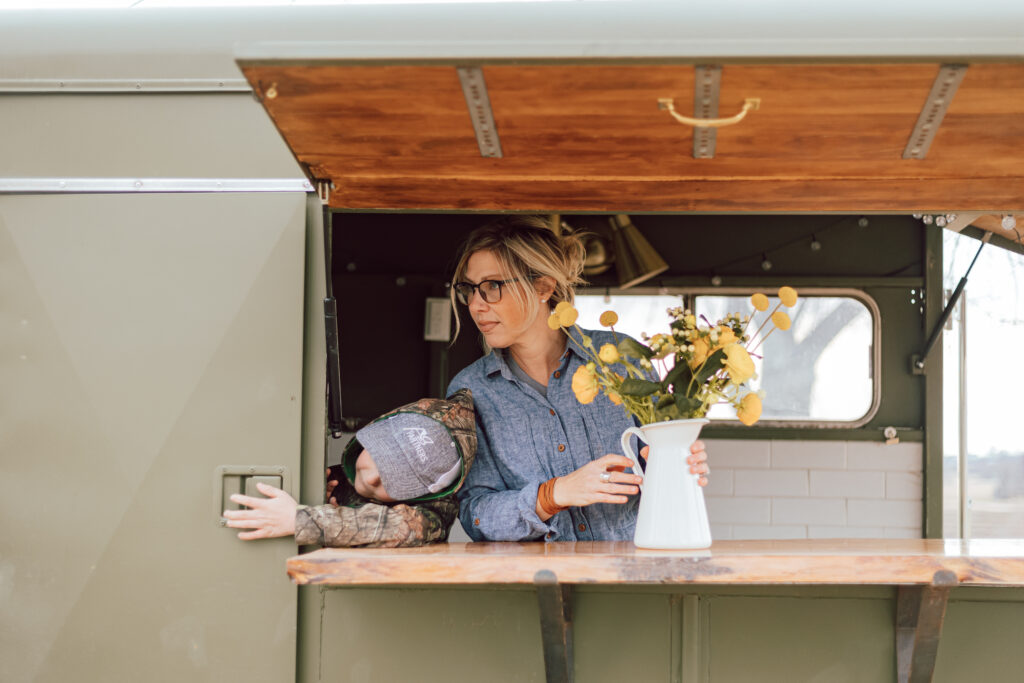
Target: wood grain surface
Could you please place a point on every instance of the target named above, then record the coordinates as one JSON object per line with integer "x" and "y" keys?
{"x": 828, "y": 137}
{"x": 867, "y": 561}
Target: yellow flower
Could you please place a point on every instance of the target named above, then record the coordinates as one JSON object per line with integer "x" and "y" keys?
{"x": 749, "y": 410}
{"x": 553, "y": 321}
{"x": 614, "y": 397}
{"x": 562, "y": 305}
{"x": 690, "y": 320}
{"x": 725, "y": 337}
{"x": 609, "y": 354}
{"x": 662, "y": 346}
{"x": 759, "y": 301}
{"x": 584, "y": 384}
{"x": 738, "y": 364}
{"x": 781, "y": 320}
{"x": 568, "y": 316}
{"x": 700, "y": 352}
{"x": 609, "y": 318}
{"x": 787, "y": 295}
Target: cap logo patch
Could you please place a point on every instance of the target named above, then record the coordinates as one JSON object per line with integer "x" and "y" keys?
{"x": 419, "y": 440}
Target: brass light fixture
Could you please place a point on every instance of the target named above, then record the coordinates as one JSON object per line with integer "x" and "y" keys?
{"x": 635, "y": 258}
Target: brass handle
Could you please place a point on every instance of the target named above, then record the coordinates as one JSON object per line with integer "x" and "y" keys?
{"x": 749, "y": 104}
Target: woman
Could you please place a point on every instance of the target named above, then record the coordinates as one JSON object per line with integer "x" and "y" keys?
{"x": 546, "y": 466}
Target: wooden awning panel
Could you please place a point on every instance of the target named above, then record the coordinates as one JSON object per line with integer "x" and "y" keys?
{"x": 828, "y": 137}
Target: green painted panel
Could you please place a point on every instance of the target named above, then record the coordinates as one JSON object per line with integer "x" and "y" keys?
{"x": 981, "y": 641}
{"x": 622, "y": 637}
{"x": 151, "y": 339}
{"x": 431, "y": 635}
{"x": 801, "y": 639}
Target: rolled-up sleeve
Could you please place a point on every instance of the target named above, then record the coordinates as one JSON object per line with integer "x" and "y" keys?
{"x": 489, "y": 510}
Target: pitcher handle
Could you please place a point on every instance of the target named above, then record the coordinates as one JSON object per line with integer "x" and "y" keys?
{"x": 628, "y": 450}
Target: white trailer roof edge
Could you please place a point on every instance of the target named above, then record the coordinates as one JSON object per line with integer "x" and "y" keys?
{"x": 203, "y": 43}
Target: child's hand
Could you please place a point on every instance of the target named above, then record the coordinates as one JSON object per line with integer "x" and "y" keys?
{"x": 332, "y": 483}
{"x": 268, "y": 517}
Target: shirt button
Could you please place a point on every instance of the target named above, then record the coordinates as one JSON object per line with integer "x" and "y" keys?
{"x": 558, "y": 373}
{"x": 561, "y": 447}
{"x": 582, "y": 527}
{"x": 552, "y": 411}
{"x": 476, "y": 522}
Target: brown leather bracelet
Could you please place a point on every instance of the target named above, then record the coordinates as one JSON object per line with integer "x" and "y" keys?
{"x": 546, "y": 498}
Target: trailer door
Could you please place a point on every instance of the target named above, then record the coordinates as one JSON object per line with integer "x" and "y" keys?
{"x": 153, "y": 359}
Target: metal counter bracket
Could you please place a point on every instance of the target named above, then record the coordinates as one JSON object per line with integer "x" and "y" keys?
{"x": 920, "y": 611}
{"x": 555, "y": 601}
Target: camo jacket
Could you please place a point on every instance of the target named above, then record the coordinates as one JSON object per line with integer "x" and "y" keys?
{"x": 361, "y": 522}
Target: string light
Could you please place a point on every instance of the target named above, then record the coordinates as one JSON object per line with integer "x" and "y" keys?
{"x": 815, "y": 244}
{"x": 1009, "y": 222}
{"x": 766, "y": 265}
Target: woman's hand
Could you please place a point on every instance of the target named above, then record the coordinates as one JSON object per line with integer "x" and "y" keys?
{"x": 268, "y": 517}
{"x": 698, "y": 462}
{"x": 601, "y": 481}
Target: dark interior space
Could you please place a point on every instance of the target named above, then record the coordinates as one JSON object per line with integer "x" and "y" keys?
{"x": 385, "y": 265}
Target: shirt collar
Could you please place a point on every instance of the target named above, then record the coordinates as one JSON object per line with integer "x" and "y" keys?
{"x": 495, "y": 362}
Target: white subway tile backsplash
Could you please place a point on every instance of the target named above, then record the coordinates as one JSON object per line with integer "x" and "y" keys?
{"x": 768, "y": 532}
{"x": 738, "y": 453}
{"x": 725, "y": 510}
{"x": 808, "y": 511}
{"x": 903, "y": 514}
{"x": 720, "y": 483}
{"x": 903, "y": 533}
{"x": 839, "y": 484}
{"x": 872, "y": 455}
{"x": 760, "y": 489}
{"x": 770, "y": 482}
{"x": 818, "y": 455}
{"x": 903, "y": 485}
{"x": 845, "y": 532}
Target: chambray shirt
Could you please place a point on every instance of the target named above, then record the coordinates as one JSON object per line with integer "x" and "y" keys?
{"x": 524, "y": 439}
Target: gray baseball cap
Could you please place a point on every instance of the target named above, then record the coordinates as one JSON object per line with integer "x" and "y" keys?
{"x": 415, "y": 454}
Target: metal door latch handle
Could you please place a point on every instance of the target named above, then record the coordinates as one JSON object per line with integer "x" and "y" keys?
{"x": 229, "y": 479}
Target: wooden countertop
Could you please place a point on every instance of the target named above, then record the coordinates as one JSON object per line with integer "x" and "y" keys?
{"x": 860, "y": 561}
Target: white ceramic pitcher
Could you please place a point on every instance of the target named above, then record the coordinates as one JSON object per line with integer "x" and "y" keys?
{"x": 672, "y": 512}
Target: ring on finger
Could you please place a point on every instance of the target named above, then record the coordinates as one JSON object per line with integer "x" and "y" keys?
{"x": 606, "y": 477}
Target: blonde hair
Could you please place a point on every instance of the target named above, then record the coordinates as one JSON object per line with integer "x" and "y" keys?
{"x": 526, "y": 249}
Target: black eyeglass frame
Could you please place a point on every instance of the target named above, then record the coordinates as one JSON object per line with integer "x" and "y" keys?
{"x": 464, "y": 290}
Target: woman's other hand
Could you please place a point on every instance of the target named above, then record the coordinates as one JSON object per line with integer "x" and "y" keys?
{"x": 601, "y": 481}
{"x": 268, "y": 517}
{"x": 698, "y": 462}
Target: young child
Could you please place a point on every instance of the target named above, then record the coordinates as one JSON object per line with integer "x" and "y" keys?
{"x": 395, "y": 485}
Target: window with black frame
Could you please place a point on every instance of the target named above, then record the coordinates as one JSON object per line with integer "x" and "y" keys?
{"x": 823, "y": 370}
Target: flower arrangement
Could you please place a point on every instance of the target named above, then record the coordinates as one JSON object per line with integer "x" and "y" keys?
{"x": 712, "y": 362}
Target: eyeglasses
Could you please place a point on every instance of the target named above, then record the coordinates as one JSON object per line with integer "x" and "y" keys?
{"x": 489, "y": 290}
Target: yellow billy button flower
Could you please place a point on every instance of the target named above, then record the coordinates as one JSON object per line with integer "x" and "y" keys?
{"x": 584, "y": 384}
{"x": 567, "y": 316}
{"x": 749, "y": 410}
{"x": 562, "y": 305}
{"x": 759, "y": 301}
{"x": 609, "y": 354}
{"x": 781, "y": 320}
{"x": 738, "y": 364}
{"x": 553, "y": 321}
{"x": 788, "y": 297}
{"x": 609, "y": 318}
